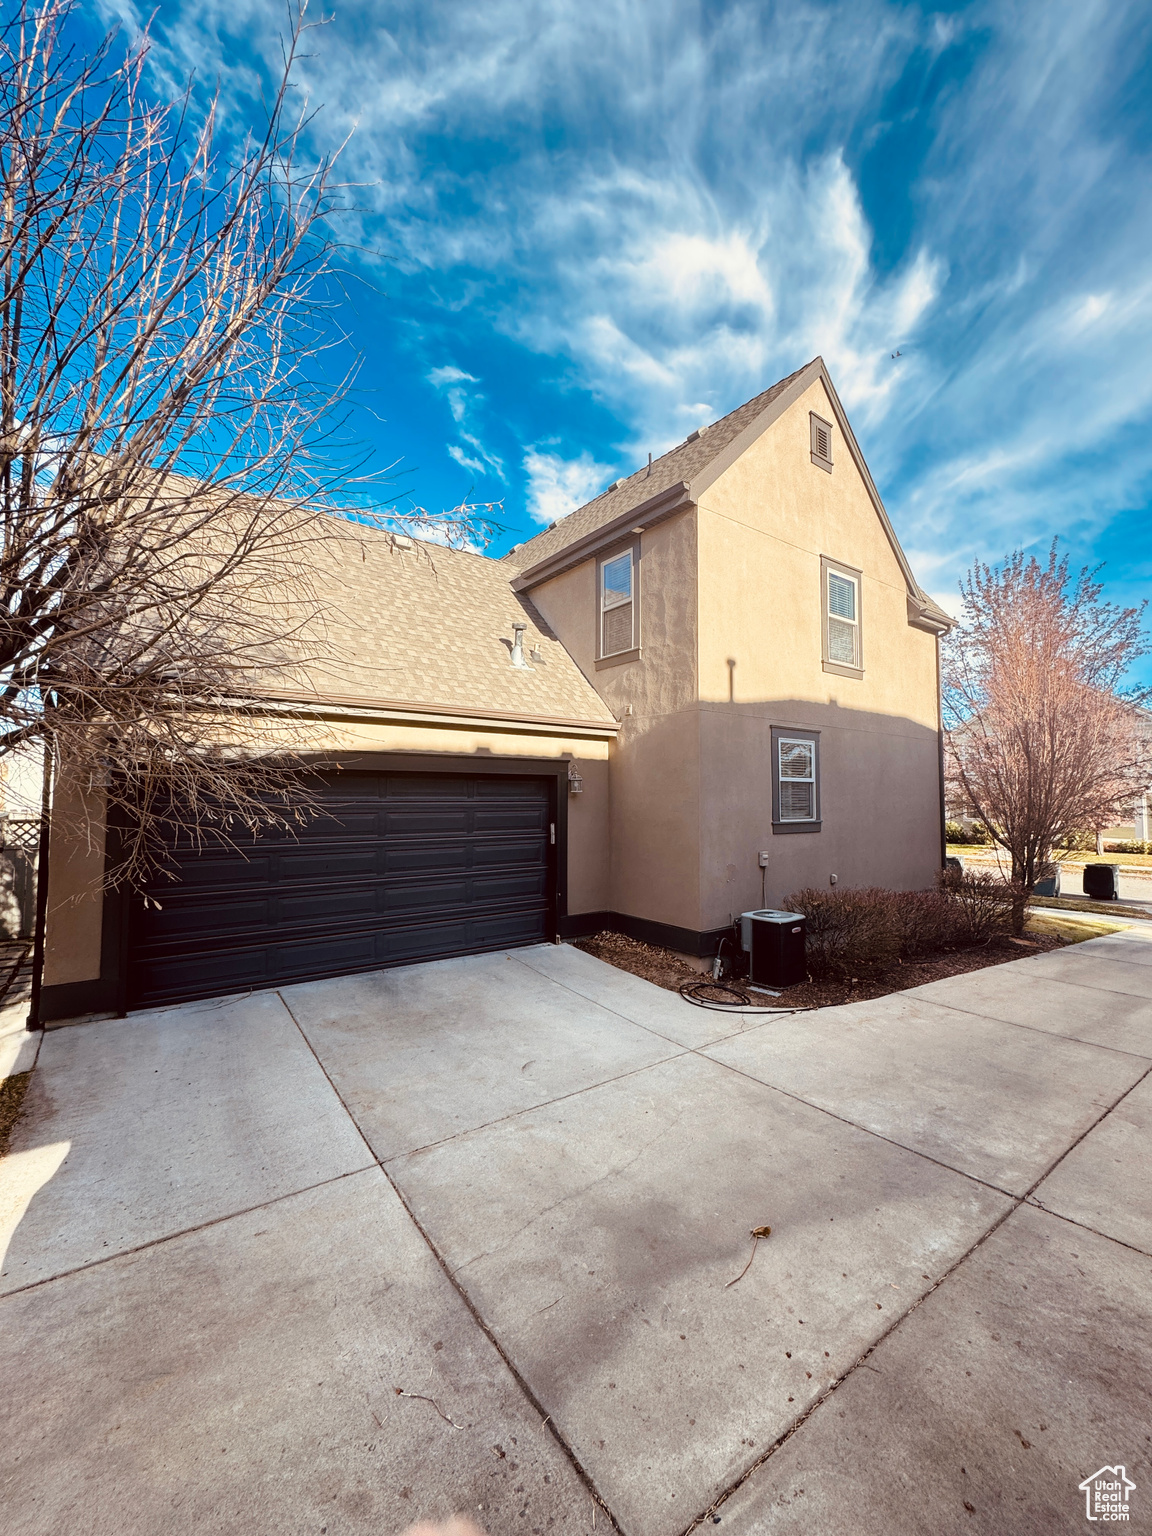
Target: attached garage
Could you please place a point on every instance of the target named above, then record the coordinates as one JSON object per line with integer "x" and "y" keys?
{"x": 397, "y": 867}
{"x": 462, "y": 766}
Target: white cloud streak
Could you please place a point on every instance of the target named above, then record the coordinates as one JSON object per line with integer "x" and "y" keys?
{"x": 679, "y": 213}
{"x": 557, "y": 486}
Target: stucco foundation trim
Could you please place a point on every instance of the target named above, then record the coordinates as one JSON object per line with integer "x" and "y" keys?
{"x": 685, "y": 941}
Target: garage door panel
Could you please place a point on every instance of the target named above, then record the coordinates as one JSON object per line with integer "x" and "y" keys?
{"x": 331, "y": 957}
{"x": 522, "y": 885}
{"x": 413, "y": 896}
{"x": 517, "y": 928}
{"x": 428, "y": 857}
{"x": 328, "y": 864}
{"x": 425, "y": 786}
{"x": 509, "y": 788}
{"x": 360, "y": 902}
{"x": 164, "y": 979}
{"x": 218, "y": 870}
{"x": 527, "y": 851}
{"x": 416, "y": 822}
{"x": 179, "y": 919}
{"x": 511, "y": 818}
{"x": 399, "y": 867}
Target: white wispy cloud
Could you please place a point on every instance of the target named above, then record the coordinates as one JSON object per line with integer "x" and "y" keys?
{"x": 674, "y": 206}
{"x": 470, "y": 451}
{"x": 557, "y": 486}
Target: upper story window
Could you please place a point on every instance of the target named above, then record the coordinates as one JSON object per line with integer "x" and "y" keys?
{"x": 821, "y": 441}
{"x": 842, "y": 647}
{"x": 619, "y": 631}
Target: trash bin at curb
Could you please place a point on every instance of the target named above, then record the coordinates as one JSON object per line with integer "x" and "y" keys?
{"x": 774, "y": 943}
{"x": 1049, "y": 882}
{"x": 1102, "y": 882}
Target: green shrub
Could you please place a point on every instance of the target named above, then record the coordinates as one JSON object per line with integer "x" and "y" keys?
{"x": 1132, "y": 846}
{"x": 977, "y": 834}
{"x": 1077, "y": 842}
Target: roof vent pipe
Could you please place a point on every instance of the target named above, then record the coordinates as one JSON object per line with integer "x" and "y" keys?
{"x": 518, "y": 658}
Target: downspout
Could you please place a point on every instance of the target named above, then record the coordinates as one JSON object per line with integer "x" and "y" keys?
{"x": 940, "y": 759}
{"x": 34, "y": 1020}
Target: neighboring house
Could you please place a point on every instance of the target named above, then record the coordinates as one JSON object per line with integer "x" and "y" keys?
{"x": 726, "y": 689}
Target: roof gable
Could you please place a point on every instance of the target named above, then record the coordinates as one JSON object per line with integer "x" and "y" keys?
{"x": 680, "y": 477}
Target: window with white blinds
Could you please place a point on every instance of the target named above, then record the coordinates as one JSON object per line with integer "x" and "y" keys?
{"x": 617, "y": 606}
{"x": 843, "y": 619}
{"x": 797, "y": 778}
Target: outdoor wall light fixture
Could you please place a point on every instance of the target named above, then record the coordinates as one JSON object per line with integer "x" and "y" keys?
{"x": 575, "y": 782}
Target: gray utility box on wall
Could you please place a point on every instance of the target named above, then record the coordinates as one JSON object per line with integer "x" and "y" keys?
{"x": 774, "y": 943}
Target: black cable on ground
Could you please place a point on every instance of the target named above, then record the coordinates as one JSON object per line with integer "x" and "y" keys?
{"x": 693, "y": 992}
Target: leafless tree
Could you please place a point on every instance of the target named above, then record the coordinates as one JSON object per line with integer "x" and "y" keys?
{"x": 1040, "y": 737}
{"x": 165, "y": 449}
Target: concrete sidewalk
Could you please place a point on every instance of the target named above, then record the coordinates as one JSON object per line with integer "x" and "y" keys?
{"x": 462, "y": 1236}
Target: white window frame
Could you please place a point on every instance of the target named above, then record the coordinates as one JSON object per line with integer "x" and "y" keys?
{"x": 828, "y": 569}
{"x": 604, "y": 606}
{"x": 783, "y": 737}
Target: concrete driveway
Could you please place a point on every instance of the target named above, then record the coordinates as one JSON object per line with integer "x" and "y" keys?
{"x": 462, "y": 1236}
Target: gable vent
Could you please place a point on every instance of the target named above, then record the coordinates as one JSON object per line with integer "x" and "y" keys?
{"x": 821, "y": 441}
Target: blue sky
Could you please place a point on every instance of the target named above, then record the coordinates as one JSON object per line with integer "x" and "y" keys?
{"x": 601, "y": 225}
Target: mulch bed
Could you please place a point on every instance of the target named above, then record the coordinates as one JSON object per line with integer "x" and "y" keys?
{"x": 668, "y": 969}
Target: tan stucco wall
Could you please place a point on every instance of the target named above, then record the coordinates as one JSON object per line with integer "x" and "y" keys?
{"x": 879, "y": 802}
{"x": 763, "y": 527}
{"x": 655, "y": 775}
{"x": 75, "y": 899}
{"x": 739, "y": 578}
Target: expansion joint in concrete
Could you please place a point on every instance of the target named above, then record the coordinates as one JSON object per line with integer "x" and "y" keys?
{"x": 545, "y": 1419}
{"x": 861, "y": 1363}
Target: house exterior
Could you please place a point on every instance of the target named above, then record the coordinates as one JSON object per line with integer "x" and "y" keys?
{"x": 777, "y": 630}
{"x": 712, "y": 685}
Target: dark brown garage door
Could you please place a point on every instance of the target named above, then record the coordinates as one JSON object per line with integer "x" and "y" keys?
{"x": 400, "y": 867}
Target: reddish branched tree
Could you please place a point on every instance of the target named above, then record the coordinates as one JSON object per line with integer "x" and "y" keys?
{"x": 1041, "y": 739}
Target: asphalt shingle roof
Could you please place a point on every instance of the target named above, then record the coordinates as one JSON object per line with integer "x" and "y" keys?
{"x": 429, "y": 626}
{"x": 678, "y": 465}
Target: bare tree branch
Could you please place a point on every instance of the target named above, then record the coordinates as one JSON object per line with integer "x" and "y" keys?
{"x": 168, "y": 462}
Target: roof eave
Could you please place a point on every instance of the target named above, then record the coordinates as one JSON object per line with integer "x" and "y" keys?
{"x": 411, "y": 711}
{"x": 675, "y": 498}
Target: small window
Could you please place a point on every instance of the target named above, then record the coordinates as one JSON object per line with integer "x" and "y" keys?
{"x": 795, "y": 780}
{"x": 821, "y": 441}
{"x": 840, "y": 617}
{"x": 617, "y": 605}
